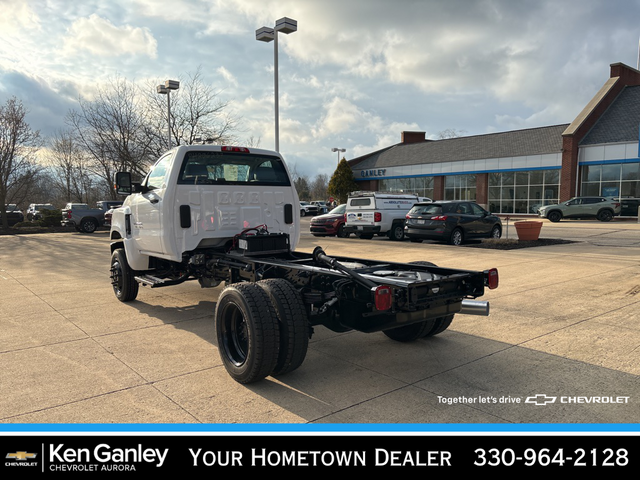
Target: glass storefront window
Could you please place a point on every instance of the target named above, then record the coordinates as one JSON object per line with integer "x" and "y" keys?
{"x": 523, "y": 192}
{"x": 460, "y": 187}
{"x": 611, "y": 180}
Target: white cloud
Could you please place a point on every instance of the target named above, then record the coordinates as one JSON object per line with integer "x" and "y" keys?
{"x": 100, "y": 37}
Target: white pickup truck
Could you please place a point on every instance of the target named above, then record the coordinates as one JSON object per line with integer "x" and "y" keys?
{"x": 379, "y": 213}
{"x": 231, "y": 215}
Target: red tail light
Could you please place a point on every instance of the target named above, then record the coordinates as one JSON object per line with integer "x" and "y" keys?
{"x": 439, "y": 217}
{"x": 69, "y": 214}
{"x": 492, "y": 278}
{"x": 382, "y": 297}
{"x": 377, "y": 217}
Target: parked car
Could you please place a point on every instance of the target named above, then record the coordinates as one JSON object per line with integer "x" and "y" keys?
{"x": 602, "y": 208}
{"x": 13, "y": 213}
{"x": 85, "y": 219}
{"x": 323, "y": 207}
{"x": 629, "y": 207}
{"x": 35, "y": 209}
{"x": 307, "y": 208}
{"x": 451, "y": 221}
{"x": 330, "y": 224}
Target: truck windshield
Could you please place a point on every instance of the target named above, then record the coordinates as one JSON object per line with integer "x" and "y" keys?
{"x": 211, "y": 168}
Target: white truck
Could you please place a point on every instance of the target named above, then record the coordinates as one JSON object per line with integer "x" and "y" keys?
{"x": 379, "y": 213}
{"x": 230, "y": 215}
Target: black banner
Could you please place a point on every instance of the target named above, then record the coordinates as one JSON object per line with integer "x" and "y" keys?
{"x": 406, "y": 453}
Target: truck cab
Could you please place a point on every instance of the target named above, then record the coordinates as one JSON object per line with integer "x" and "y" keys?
{"x": 201, "y": 196}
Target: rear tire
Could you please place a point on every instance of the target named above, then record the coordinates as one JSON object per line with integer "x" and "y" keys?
{"x": 441, "y": 324}
{"x": 412, "y": 332}
{"x": 457, "y": 237}
{"x": 397, "y": 232}
{"x": 293, "y": 323}
{"x": 247, "y": 332}
{"x": 605, "y": 215}
{"x": 88, "y": 225}
{"x": 123, "y": 280}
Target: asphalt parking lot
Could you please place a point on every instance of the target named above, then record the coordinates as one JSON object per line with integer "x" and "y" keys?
{"x": 561, "y": 345}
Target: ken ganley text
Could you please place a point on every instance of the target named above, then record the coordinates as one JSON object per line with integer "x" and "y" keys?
{"x": 320, "y": 458}
{"x": 103, "y": 457}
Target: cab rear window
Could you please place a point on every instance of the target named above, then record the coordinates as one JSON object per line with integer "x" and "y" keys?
{"x": 360, "y": 202}
{"x": 214, "y": 168}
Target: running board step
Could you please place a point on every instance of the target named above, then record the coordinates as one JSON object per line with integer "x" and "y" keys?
{"x": 150, "y": 281}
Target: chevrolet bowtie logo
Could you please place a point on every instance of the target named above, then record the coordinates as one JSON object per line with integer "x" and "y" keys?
{"x": 540, "y": 399}
{"x": 20, "y": 455}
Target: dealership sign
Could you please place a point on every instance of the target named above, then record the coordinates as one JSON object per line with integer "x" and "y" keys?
{"x": 373, "y": 173}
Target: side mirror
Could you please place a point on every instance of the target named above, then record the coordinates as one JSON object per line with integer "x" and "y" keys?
{"x": 123, "y": 183}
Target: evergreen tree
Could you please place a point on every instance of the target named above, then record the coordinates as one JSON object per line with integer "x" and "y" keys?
{"x": 342, "y": 182}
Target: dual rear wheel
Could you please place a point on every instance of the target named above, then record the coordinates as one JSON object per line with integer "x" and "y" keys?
{"x": 262, "y": 329}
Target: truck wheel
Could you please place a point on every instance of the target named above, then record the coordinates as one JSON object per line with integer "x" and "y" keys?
{"x": 247, "y": 332}
{"x": 396, "y": 232}
{"x": 88, "y": 225}
{"x": 293, "y": 323}
{"x": 123, "y": 281}
{"x": 605, "y": 215}
{"x": 412, "y": 332}
{"x": 441, "y": 324}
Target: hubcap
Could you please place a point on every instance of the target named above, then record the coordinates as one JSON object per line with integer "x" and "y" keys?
{"x": 235, "y": 334}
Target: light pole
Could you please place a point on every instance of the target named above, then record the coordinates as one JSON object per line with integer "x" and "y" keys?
{"x": 266, "y": 34}
{"x": 166, "y": 90}
{"x": 338, "y": 150}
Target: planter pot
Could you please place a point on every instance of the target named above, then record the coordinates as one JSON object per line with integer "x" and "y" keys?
{"x": 528, "y": 230}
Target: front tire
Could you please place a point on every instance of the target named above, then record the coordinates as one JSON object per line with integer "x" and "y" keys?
{"x": 496, "y": 232}
{"x": 554, "y": 217}
{"x": 123, "y": 280}
{"x": 294, "y": 325}
{"x": 247, "y": 332}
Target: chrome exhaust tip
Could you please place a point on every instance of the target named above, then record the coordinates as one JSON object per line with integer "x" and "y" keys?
{"x": 474, "y": 307}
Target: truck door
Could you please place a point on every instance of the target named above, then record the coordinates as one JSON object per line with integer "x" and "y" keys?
{"x": 147, "y": 208}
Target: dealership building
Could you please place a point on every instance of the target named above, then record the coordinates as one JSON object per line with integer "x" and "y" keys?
{"x": 515, "y": 172}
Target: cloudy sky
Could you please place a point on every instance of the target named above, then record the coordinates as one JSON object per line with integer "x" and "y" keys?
{"x": 355, "y": 74}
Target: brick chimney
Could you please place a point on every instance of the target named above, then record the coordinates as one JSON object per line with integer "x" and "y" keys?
{"x": 413, "y": 137}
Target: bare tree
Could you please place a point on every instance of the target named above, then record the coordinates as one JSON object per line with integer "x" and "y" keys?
{"x": 319, "y": 186}
{"x": 69, "y": 165}
{"x": 197, "y": 115}
{"x": 18, "y": 147}
{"x": 112, "y": 129}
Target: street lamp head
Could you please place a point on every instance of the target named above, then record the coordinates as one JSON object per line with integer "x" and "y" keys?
{"x": 265, "y": 34}
{"x": 338, "y": 149}
{"x": 286, "y": 25}
{"x": 161, "y": 89}
{"x": 172, "y": 84}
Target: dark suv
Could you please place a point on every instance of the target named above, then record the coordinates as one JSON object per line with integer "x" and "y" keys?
{"x": 451, "y": 221}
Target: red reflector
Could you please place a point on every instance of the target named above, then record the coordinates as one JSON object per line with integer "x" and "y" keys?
{"x": 439, "y": 217}
{"x": 382, "y": 297}
{"x": 235, "y": 149}
{"x": 377, "y": 217}
{"x": 492, "y": 278}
